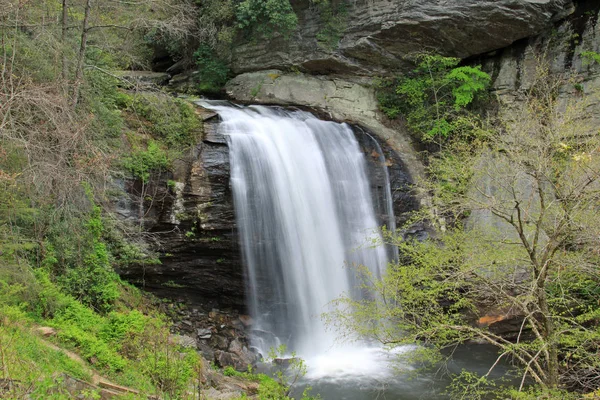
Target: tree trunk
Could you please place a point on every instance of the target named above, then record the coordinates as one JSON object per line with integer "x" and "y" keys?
{"x": 81, "y": 55}
{"x": 549, "y": 331}
{"x": 65, "y": 67}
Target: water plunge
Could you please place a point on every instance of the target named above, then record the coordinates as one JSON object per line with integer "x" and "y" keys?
{"x": 305, "y": 216}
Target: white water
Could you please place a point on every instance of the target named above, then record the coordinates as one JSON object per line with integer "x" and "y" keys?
{"x": 305, "y": 216}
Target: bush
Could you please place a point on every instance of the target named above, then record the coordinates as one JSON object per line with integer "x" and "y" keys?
{"x": 264, "y": 18}
{"x": 82, "y": 267}
{"x": 78, "y": 326}
{"x": 170, "y": 367}
{"x": 212, "y": 71}
{"x": 170, "y": 120}
{"x": 142, "y": 162}
{"x": 434, "y": 97}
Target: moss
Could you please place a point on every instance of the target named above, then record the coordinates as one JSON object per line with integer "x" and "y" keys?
{"x": 170, "y": 120}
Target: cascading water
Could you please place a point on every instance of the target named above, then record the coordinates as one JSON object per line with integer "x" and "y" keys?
{"x": 304, "y": 212}
{"x": 305, "y": 216}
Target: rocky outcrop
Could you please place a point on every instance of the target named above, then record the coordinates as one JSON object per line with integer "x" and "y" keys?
{"x": 189, "y": 219}
{"x": 338, "y": 99}
{"x": 378, "y": 34}
{"x": 514, "y": 67}
{"x": 220, "y": 335}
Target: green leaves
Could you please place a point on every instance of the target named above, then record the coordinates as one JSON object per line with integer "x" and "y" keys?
{"x": 471, "y": 80}
{"x": 212, "y": 71}
{"x": 435, "y": 97}
{"x": 142, "y": 162}
{"x": 264, "y": 18}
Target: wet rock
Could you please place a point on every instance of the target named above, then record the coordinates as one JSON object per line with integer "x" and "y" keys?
{"x": 225, "y": 387}
{"x": 220, "y": 342}
{"x": 204, "y": 333}
{"x": 246, "y": 320}
{"x": 238, "y": 357}
{"x": 285, "y": 362}
{"x": 236, "y": 347}
{"x": 193, "y": 228}
{"x": 339, "y": 99}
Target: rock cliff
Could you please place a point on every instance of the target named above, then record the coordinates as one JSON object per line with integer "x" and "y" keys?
{"x": 377, "y": 34}
{"x": 189, "y": 219}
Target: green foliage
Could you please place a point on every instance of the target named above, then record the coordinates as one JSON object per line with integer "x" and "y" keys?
{"x": 57, "y": 249}
{"x": 171, "y": 368}
{"x": 524, "y": 256}
{"x": 590, "y": 57}
{"x": 83, "y": 267}
{"x": 26, "y": 359}
{"x": 334, "y": 20}
{"x": 265, "y": 18}
{"x": 170, "y": 120}
{"x": 415, "y": 302}
{"x": 451, "y": 172}
{"x": 102, "y": 98}
{"x": 132, "y": 348}
{"x": 78, "y": 326}
{"x": 435, "y": 96}
{"x": 212, "y": 71}
{"x": 278, "y": 386}
{"x": 142, "y": 162}
{"x": 468, "y": 385}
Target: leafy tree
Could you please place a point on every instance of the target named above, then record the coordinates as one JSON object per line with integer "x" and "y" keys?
{"x": 434, "y": 97}
{"x": 267, "y": 17}
{"x": 529, "y": 253}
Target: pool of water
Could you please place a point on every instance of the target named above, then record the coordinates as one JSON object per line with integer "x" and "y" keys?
{"x": 372, "y": 374}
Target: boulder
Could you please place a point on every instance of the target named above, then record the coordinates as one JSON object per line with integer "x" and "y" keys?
{"x": 183, "y": 340}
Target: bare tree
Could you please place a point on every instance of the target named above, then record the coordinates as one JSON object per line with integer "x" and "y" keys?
{"x": 530, "y": 251}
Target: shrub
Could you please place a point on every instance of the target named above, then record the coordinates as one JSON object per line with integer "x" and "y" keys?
{"x": 212, "y": 71}
{"x": 263, "y": 18}
{"x": 170, "y": 367}
{"x": 434, "y": 97}
{"x": 141, "y": 162}
{"x": 170, "y": 120}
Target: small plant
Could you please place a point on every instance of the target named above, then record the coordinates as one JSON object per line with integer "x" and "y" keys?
{"x": 334, "y": 20}
{"x": 434, "y": 97}
{"x": 590, "y": 57}
{"x": 142, "y": 162}
{"x": 173, "y": 285}
{"x": 254, "y": 92}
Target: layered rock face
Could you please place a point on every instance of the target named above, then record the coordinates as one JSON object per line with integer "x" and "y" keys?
{"x": 379, "y": 33}
{"x": 335, "y": 98}
{"x": 189, "y": 219}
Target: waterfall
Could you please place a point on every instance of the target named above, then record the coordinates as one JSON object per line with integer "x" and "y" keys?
{"x": 305, "y": 217}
